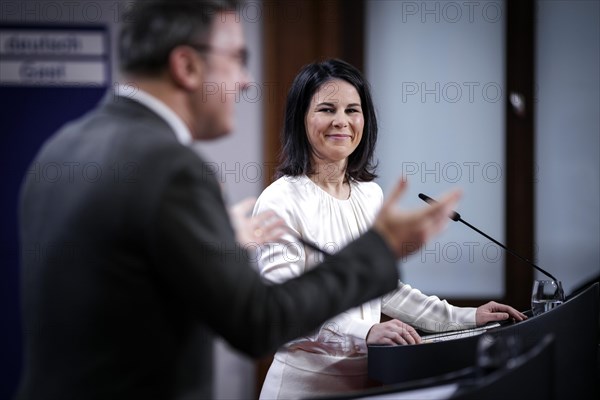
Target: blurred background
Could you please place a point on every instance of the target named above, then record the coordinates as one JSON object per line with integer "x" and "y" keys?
{"x": 499, "y": 98}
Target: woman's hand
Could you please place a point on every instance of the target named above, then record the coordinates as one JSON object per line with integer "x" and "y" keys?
{"x": 393, "y": 332}
{"x": 492, "y": 311}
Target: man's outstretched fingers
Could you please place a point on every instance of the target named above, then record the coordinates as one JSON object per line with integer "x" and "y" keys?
{"x": 396, "y": 193}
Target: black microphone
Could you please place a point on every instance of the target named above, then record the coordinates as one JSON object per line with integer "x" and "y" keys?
{"x": 456, "y": 217}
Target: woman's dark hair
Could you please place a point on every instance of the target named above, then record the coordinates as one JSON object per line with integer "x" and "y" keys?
{"x": 296, "y": 150}
{"x": 152, "y": 28}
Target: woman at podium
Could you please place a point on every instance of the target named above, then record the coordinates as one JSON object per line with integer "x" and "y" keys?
{"x": 326, "y": 195}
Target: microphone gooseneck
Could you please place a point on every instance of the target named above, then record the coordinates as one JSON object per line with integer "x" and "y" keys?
{"x": 456, "y": 217}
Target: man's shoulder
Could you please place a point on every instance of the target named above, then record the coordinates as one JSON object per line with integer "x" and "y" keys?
{"x": 121, "y": 138}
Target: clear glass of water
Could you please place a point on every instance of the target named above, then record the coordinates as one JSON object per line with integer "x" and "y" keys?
{"x": 546, "y": 295}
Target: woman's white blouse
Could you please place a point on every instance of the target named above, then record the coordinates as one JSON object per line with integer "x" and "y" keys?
{"x": 330, "y": 223}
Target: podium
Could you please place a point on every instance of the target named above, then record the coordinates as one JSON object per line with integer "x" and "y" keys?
{"x": 526, "y": 374}
{"x": 574, "y": 326}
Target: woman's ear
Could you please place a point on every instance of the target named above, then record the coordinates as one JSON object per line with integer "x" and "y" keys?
{"x": 185, "y": 67}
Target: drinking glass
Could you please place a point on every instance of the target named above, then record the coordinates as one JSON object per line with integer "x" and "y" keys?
{"x": 546, "y": 295}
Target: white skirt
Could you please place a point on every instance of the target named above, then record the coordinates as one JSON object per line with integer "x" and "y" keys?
{"x": 298, "y": 374}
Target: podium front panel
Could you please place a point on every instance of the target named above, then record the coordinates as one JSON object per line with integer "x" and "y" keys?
{"x": 575, "y": 328}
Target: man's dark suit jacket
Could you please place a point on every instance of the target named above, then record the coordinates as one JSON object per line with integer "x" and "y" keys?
{"x": 129, "y": 267}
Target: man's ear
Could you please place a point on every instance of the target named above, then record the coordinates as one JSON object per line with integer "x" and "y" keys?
{"x": 185, "y": 67}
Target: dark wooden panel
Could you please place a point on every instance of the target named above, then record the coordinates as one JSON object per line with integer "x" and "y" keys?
{"x": 298, "y": 32}
{"x": 520, "y": 199}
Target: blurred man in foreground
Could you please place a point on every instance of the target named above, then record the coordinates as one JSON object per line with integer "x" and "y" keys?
{"x": 139, "y": 268}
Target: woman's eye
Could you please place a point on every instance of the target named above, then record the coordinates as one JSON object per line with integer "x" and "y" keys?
{"x": 326, "y": 110}
{"x": 352, "y": 110}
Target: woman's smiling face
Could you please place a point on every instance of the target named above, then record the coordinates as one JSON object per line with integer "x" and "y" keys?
{"x": 334, "y": 122}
